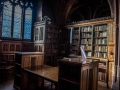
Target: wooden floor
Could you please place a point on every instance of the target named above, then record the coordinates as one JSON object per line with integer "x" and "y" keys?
{"x": 8, "y": 85}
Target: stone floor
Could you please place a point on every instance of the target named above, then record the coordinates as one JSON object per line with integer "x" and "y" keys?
{"x": 9, "y": 86}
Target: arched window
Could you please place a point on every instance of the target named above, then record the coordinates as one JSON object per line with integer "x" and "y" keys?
{"x": 7, "y": 19}
{"x": 17, "y": 22}
{"x": 28, "y": 22}
{"x": 16, "y": 14}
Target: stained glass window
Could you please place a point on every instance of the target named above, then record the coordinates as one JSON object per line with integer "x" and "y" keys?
{"x": 17, "y": 22}
{"x": 28, "y": 23}
{"x": 1, "y": 3}
{"x": 7, "y": 19}
{"x": 12, "y": 19}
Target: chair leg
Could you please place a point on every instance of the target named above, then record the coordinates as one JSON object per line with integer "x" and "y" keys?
{"x": 51, "y": 85}
{"x": 6, "y": 75}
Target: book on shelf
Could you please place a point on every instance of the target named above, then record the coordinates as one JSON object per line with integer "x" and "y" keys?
{"x": 87, "y": 29}
{"x": 102, "y": 76}
{"x": 100, "y": 27}
{"x": 100, "y": 54}
{"x": 86, "y": 47}
{"x": 101, "y": 48}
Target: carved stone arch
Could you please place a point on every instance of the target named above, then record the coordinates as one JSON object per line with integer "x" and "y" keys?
{"x": 111, "y": 4}
{"x": 68, "y": 8}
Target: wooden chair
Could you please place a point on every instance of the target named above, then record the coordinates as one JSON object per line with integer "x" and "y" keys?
{"x": 4, "y": 70}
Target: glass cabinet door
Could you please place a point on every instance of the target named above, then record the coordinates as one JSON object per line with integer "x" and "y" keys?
{"x": 39, "y": 33}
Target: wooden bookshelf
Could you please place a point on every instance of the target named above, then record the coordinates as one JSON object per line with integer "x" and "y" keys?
{"x": 97, "y": 38}
{"x": 46, "y": 37}
{"x": 64, "y": 42}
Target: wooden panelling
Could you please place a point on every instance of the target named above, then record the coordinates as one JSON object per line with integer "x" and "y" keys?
{"x": 110, "y": 73}
{"x": 73, "y": 75}
{"x": 27, "y": 46}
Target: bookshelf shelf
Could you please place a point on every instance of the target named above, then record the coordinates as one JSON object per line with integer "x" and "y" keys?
{"x": 94, "y": 37}
{"x": 100, "y": 37}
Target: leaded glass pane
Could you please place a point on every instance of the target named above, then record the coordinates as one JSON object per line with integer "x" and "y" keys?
{"x": 17, "y": 22}
{"x": 7, "y": 18}
{"x": 31, "y": 4}
{"x": 26, "y": 4}
{"x": 28, "y": 23}
{"x": 16, "y": 1}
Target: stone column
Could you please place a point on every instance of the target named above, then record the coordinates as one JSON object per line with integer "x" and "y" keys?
{"x": 39, "y": 11}
{"x": 116, "y": 76}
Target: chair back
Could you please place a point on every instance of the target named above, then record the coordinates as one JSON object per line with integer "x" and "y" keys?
{"x": 3, "y": 65}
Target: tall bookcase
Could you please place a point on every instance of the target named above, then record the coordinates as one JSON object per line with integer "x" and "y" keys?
{"x": 46, "y": 40}
{"x": 97, "y": 39}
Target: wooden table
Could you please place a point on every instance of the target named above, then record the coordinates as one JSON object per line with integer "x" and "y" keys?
{"x": 46, "y": 72}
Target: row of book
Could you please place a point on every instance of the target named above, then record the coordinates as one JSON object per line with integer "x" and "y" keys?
{"x": 75, "y": 42}
{"x": 52, "y": 30}
{"x": 100, "y": 34}
{"x": 86, "y": 35}
{"x": 101, "y": 48}
{"x": 76, "y": 31}
{"x": 86, "y": 41}
{"x": 101, "y": 76}
{"x": 89, "y": 54}
{"x": 48, "y": 45}
{"x": 75, "y": 36}
{"x": 55, "y": 36}
{"x": 100, "y": 54}
{"x": 100, "y": 27}
{"x": 52, "y": 35}
{"x": 54, "y": 46}
{"x": 63, "y": 51}
{"x": 74, "y": 48}
{"x": 54, "y": 50}
{"x": 49, "y": 35}
{"x": 54, "y": 40}
{"x": 86, "y": 47}
{"x": 48, "y": 50}
{"x": 101, "y": 41}
{"x": 86, "y": 29}
{"x": 48, "y": 41}
{"x": 64, "y": 46}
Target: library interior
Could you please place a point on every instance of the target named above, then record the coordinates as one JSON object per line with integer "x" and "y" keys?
{"x": 59, "y": 45}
